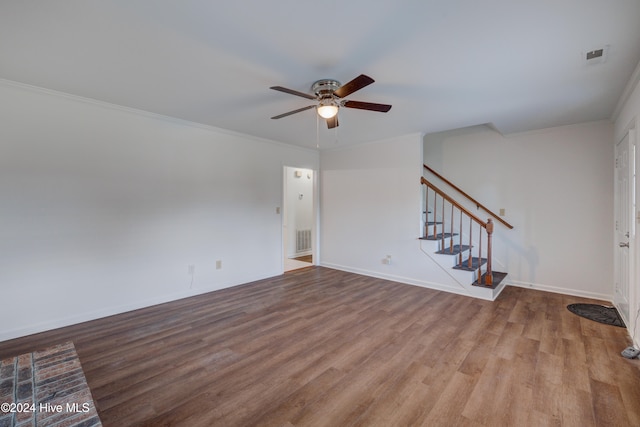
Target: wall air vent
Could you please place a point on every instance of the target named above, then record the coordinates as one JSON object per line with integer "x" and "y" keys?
{"x": 595, "y": 56}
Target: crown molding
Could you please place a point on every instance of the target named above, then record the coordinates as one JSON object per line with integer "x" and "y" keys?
{"x": 626, "y": 94}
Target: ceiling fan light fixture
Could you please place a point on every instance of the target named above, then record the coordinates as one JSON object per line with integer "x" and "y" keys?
{"x": 329, "y": 94}
{"x": 327, "y": 111}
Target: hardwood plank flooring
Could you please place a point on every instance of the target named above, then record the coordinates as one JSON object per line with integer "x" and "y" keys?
{"x": 318, "y": 347}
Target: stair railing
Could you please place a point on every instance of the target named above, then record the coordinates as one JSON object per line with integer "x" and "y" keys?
{"x": 468, "y": 197}
{"x": 487, "y": 227}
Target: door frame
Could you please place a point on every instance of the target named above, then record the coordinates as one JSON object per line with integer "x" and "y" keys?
{"x": 634, "y": 241}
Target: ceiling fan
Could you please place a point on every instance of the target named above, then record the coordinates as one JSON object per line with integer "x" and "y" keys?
{"x": 329, "y": 94}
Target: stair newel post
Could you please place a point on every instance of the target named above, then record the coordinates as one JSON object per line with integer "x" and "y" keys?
{"x": 488, "y": 279}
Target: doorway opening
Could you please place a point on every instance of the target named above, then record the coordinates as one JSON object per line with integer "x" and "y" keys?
{"x": 298, "y": 220}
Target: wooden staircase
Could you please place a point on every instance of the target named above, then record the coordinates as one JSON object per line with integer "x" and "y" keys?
{"x": 460, "y": 242}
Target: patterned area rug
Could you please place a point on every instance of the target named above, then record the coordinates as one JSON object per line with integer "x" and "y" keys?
{"x": 598, "y": 313}
{"x": 46, "y": 388}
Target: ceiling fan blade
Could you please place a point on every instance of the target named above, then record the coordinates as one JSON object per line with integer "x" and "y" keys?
{"x": 354, "y": 85}
{"x": 292, "y": 92}
{"x": 293, "y": 112}
{"x": 332, "y": 122}
{"x": 383, "y": 108}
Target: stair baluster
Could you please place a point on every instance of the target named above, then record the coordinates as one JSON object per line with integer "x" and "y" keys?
{"x": 443, "y": 227}
{"x": 435, "y": 210}
{"x": 452, "y": 232}
{"x": 460, "y": 239}
{"x": 426, "y": 212}
{"x": 479, "y": 255}
{"x": 470, "y": 261}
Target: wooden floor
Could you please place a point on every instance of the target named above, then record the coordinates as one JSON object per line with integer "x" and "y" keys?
{"x": 324, "y": 347}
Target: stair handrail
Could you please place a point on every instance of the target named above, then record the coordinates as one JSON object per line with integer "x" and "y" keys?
{"x": 488, "y": 226}
{"x": 477, "y": 203}
{"x": 449, "y": 199}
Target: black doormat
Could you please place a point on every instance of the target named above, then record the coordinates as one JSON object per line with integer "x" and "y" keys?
{"x": 598, "y": 313}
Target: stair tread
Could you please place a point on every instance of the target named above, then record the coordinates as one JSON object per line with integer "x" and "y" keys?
{"x": 475, "y": 264}
{"x": 434, "y": 222}
{"x": 498, "y": 277}
{"x": 456, "y": 250}
{"x": 438, "y": 236}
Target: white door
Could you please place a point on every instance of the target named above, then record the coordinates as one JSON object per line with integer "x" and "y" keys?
{"x": 624, "y": 224}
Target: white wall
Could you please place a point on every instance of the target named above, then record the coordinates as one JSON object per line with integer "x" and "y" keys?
{"x": 104, "y": 208}
{"x": 371, "y": 202}
{"x": 626, "y": 119}
{"x": 557, "y": 188}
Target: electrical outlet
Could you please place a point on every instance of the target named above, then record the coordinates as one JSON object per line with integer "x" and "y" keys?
{"x": 192, "y": 269}
{"x": 219, "y": 264}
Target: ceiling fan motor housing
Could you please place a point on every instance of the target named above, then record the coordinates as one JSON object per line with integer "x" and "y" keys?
{"x": 325, "y": 88}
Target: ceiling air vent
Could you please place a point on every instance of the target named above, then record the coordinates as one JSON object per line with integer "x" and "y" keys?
{"x": 595, "y": 56}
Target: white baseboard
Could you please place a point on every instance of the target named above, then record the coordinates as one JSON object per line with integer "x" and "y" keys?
{"x": 299, "y": 254}
{"x": 564, "y": 291}
{"x": 400, "y": 279}
{"x": 110, "y": 311}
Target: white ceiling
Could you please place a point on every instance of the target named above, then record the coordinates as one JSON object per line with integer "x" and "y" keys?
{"x": 442, "y": 64}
